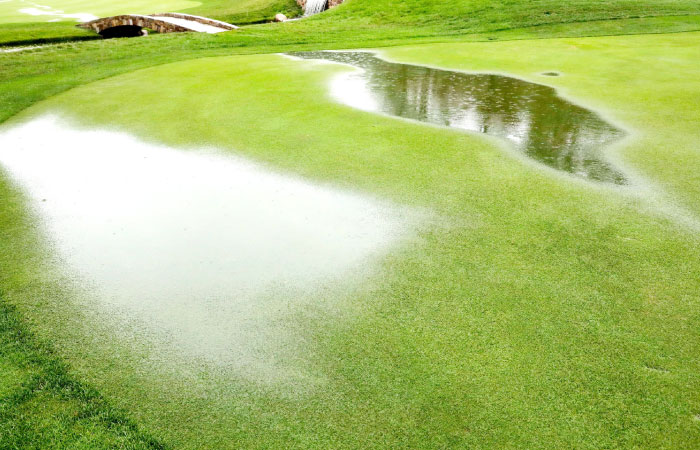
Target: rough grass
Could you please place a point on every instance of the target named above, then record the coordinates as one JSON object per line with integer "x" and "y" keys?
{"x": 42, "y": 406}
{"x": 245, "y": 12}
{"x": 422, "y": 18}
{"x": 470, "y": 15}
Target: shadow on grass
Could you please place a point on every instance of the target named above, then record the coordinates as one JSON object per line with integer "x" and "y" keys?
{"x": 26, "y": 34}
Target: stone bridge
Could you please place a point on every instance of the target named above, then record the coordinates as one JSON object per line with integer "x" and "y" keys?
{"x": 133, "y": 24}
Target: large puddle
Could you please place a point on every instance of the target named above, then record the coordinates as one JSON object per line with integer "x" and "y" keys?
{"x": 199, "y": 245}
{"x": 544, "y": 126}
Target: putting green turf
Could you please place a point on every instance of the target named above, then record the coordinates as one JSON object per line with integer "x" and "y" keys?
{"x": 537, "y": 311}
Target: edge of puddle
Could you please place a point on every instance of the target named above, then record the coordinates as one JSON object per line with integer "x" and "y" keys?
{"x": 639, "y": 187}
{"x": 74, "y": 286}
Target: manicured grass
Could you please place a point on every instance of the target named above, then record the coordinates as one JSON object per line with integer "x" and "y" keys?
{"x": 358, "y": 19}
{"x": 543, "y": 313}
{"x": 24, "y": 29}
{"x": 42, "y": 406}
{"x": 17, "y": 28}
{"x": 18, "y": 34}
{"x": 32, "y": 76}
{"x": 244, "y": 12}
{"x": 537, "y": 311}
{"x": 664, "y": 125}
{"x": 10, "y": 10}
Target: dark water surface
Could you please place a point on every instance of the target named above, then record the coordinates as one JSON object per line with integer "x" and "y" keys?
{"x": 531, "y": 116}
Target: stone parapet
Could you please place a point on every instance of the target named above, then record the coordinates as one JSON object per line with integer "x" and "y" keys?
{"x": 200, "y": 19}
{"x": 157, "y": 23}
{"x": 100, "y": 25}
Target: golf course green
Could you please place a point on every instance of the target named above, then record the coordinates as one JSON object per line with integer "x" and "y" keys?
{"x": 203, "y": 247}
{"x": 14, "y": 11}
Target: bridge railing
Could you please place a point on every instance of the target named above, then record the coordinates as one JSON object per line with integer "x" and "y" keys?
{"x": 200, "y": 19}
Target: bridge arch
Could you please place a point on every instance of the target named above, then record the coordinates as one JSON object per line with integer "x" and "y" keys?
{"x": 128, "y": 25}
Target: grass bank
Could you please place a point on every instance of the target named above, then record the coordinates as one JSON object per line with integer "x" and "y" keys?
{"x": 358, "y": 19}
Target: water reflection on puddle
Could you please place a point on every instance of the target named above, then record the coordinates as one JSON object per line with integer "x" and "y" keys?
{"x": 544, "y": 126}
{"x": 191, "y": 242}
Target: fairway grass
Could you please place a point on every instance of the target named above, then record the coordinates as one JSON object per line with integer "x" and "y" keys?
{"x": 20, "y": 11}
{"x": 538, "y": 310}
{"x": 52, "y": 21}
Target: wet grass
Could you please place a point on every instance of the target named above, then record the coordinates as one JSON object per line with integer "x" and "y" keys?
{"x": 533, "y": 322}
{"x": 32, "y": 76}
{"x": 529, "y": 318}
{"x": 42, "y": 403}
{"x": 42, "y": 406}
{"x": 664, "y": 125}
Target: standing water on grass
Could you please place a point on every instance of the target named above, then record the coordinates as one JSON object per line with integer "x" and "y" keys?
{"x": 544, "y": 126}
{"x": 207, "y": 249}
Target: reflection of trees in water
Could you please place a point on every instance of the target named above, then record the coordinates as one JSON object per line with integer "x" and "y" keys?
{"x": 531, "y": 116}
